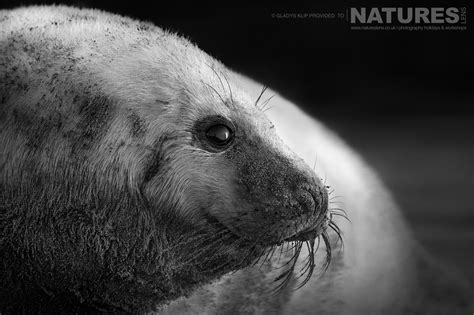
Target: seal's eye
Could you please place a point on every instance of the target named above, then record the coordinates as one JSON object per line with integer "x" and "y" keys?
{"x": 214, "y": 133}
{"x": 219, "y": 135}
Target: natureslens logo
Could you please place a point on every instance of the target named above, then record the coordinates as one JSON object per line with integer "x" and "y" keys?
{"x": 387, "y": 18}
{"x": 401, "y": 16}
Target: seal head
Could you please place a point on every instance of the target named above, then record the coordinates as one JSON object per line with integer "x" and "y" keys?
{"x": 133, "y": 169}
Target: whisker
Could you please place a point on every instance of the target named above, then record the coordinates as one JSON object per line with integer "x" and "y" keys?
{"x": 228, "y": 85}
{"x": 338, "y": 210}
{"x": 215, "y": 91}
{"x": 310, "y": 265}
{"x": 287, "y": 275}
{"x": 267, "y": 101}
{"x": 341, "y": 215}
{"x": 264, "y": 88}
{"x": 337, "y": 230}
{"x": 218, "y": 77}
{"x": 325, "y": 237}
{"x": 267, "y": 109}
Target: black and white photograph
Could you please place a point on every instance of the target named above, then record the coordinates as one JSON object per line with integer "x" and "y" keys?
{"x": 312, "y": 157}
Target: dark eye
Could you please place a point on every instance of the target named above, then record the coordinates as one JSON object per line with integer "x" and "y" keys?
{"x": 219, "y": 135}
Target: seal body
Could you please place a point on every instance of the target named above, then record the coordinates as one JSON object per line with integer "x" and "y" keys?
{"x": 139, "y": 174}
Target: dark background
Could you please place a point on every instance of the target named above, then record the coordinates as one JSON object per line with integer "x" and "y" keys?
{"x": 403, "y": 99}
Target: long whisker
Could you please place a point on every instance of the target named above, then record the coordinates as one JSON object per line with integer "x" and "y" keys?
{"x": 215, "y": 91}
{"x": 266, "y": 103}
{"x": 264, "y": 88}
{"x": 218, "y": 77}
{"x": 230, "y": 89}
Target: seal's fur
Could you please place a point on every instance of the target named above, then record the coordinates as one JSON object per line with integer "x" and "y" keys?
{"x": 109, "y": 202}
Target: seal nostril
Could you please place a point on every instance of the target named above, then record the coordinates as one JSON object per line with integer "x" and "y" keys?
{"x": 307, "y": 200}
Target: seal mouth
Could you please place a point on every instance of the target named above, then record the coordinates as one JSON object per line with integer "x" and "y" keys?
{"x": 304, "y": 236}
{"x": 311, "y": 237}
{"x": 314, "y": 231}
